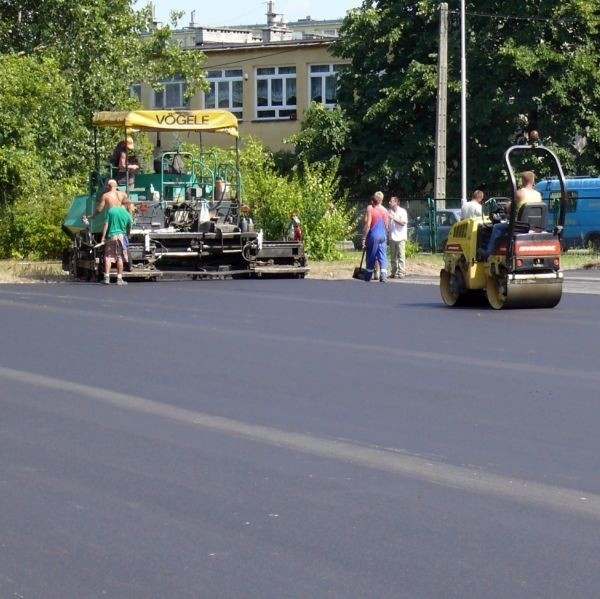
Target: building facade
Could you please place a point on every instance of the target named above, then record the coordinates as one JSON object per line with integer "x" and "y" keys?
{"x": 266, "y": 75}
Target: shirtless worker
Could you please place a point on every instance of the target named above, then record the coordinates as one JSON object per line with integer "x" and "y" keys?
{"x": 110, "y": 198}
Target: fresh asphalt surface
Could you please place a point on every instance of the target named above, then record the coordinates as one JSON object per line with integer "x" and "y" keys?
{"x": 289, "y": 438}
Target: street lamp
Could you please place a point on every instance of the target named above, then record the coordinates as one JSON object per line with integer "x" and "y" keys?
{"x": 463, "y": 105}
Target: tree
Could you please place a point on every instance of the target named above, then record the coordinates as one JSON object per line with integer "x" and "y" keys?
{"x": 61, "y": 62}
{"x": 386, "y": 93}
{"x": 324, "y": 134}
{"x": 101, "y": 45}
{"x": 531, "y": 65}
{"x": 37, "y": 124}
{"x": 535, "y": 67}
{"x": 36, "y": 118}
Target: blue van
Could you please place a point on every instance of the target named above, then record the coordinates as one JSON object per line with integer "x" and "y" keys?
{"x": 582, "y": 215}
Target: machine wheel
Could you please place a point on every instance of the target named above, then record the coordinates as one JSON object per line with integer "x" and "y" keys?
{"x": 73, "y": 266}
{"x": 90, "y": 275}
{"x": 451, "y": 287}
{"x": 496, "y": 292}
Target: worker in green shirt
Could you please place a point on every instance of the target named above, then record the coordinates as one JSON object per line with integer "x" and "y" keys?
{"x": 114, "y": 234}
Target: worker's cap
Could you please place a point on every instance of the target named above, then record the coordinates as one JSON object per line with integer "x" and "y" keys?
{"x": 129, "y": 142}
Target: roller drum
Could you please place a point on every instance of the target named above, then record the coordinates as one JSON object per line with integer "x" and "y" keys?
{"x": 525, "y": 291}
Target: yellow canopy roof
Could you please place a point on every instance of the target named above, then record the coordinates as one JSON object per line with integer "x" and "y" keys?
{"x": 219, "y": 121}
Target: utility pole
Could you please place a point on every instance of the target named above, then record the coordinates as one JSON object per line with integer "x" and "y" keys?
{"x": 463, "y": 102}
{"x": 439, "y": 185}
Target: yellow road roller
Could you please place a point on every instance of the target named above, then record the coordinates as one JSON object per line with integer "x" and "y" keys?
{"x": 523, "y": 270}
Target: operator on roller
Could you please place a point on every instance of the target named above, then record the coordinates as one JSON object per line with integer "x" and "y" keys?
{"x": 525, "y": 195}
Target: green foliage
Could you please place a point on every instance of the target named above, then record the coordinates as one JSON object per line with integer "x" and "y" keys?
{"x": 285, "y": 161}
{"x": 388, "y": 95}
{"x": 37, "y": 118}
{"x": 412, "y": 249}
{"x": 312, "y": 192}
{"x": 530, "y": 66}
{"x": 102, "y": 45}
{"x": 32, "y": 229}
{"x": 37, "y": 133}
{"x": 325, "y": 219}
{"x": 60, "y": 63}
{"x": 30, "y": 226}
{"x": 324, "y": 134}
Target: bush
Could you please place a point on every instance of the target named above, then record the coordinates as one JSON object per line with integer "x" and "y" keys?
{"x": 42, "y": 140}
{"x": 412, "y": 248}
{"x": 311, "y": 191}
{"x": 31, "y": 225}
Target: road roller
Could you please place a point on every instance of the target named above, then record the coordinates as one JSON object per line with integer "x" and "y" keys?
{"x": 523, "y": 271}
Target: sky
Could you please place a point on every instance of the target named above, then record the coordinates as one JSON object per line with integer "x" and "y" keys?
{"x": 248, "y": 12}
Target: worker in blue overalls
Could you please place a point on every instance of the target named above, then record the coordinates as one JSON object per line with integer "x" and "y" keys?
{"x": 375, "y": 237}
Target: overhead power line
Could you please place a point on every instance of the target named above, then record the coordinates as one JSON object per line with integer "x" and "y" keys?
{"x": 538, "y": 18}
{"x": 244, "y": 60}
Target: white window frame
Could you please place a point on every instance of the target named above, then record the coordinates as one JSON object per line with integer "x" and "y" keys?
{"x": 223, "y": 84}
{"x": 323, "y": 74}
{"x": 162, "y": 100}
{"x": 277, "y": 81}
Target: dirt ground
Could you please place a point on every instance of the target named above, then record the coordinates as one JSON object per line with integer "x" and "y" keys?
{"x": 15, "y": 271}
{"x": 50, "y": 272}
{"x": 343, "y": 270}
{"x": 424, "y": 265}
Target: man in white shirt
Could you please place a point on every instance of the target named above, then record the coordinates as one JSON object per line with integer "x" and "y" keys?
{"x": 397, "y": 237}
{"x": 472, "y": 208}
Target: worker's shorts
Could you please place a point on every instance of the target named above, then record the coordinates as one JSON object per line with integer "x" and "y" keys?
{"x": 115, "y": 249}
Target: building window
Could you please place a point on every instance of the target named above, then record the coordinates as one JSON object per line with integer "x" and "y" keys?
{"x": 226, "y": 90}
{"x": 323, "y": 83}
{"x": 172, "y": 95}
{"x": 276, "y": 93}
{"x": 135, "y": 91}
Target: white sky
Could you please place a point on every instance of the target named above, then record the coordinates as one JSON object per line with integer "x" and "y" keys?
{"x": 248, "y": 12}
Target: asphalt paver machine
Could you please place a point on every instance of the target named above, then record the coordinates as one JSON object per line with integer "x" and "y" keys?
{"x": 190, "y": 216}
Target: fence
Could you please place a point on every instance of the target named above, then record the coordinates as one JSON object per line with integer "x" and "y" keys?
{"x": 430, "y": 219}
